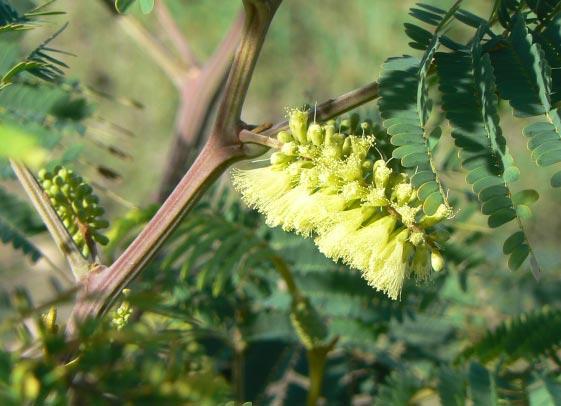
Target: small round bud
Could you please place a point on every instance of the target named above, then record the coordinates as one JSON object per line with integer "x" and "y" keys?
{"x": 284, "y": 137}
{"x": 436, "y": 260}
{"x": 43, "y": 174}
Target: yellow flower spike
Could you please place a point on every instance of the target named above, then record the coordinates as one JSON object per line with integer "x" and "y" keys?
{"x": 368, "y": 241}
{"x": 421, "y": 264}
{"x": 436, "y": 260}
{"x": 298, "y": 124}
{"x": 315, "y": 134}
{"x": 261, "y": 186}
{"x": 315, "y": 213}
{"x": 381, "y": 173}
{"x": 333, "y": 240}
{"x": 388, "y": 270}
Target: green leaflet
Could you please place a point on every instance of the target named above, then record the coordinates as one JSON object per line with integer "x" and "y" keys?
{"x": 526, "y": 81}
{"x": 547, "y": 393}
{"x": 522, "y": 76}
{"x": 10, "y": 235}
{"x": 18, "y": 219}
{"x": 405, "y": 108}
{"x": 467, "y": 84}
{"x": 549, "y": 41}
{"x": 527, "y": 336}
{"x": 451, "y": 387}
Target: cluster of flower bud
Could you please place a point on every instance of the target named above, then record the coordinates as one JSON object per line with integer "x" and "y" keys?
{"x": 330, "y": 183}
{"x": 76, "y": 205}
{"x": 122, "y": 314}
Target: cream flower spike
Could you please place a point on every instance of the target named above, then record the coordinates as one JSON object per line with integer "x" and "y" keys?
{"x": 327, "y": 183}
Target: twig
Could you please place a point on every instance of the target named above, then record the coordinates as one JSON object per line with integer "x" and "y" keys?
{"x": 175, "y": 35}
{"x": 150, "y": 44}
{"x": 198, "y": 96}
{"x": 78, "y": 264}
{"x": 251, "y": 137}
{"x": 335, "y": 107}
{"x": 326, "y": 110}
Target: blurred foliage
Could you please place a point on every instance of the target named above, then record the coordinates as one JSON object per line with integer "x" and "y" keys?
{"x": 213, "y": 318}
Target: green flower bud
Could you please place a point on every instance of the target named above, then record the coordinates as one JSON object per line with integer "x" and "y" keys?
{"x": 315, "y": 134}
{"x": 436, "y": 260}
{"x": 63, "y": 173}
{"x": 53, "y": 190}
{"x": 43, "y": 174}
{"x": 347, "y": 147}
{"x": 329, "y": 130}
{"x": 298, "y": 123}
{"x": 381, "y": 173}
{"x": 84, "y": 190}
{"x": 284, "y": 137}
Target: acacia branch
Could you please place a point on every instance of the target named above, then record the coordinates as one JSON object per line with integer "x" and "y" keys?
{"x": 99, "y": 289}
{"x": 167, "y": 22}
